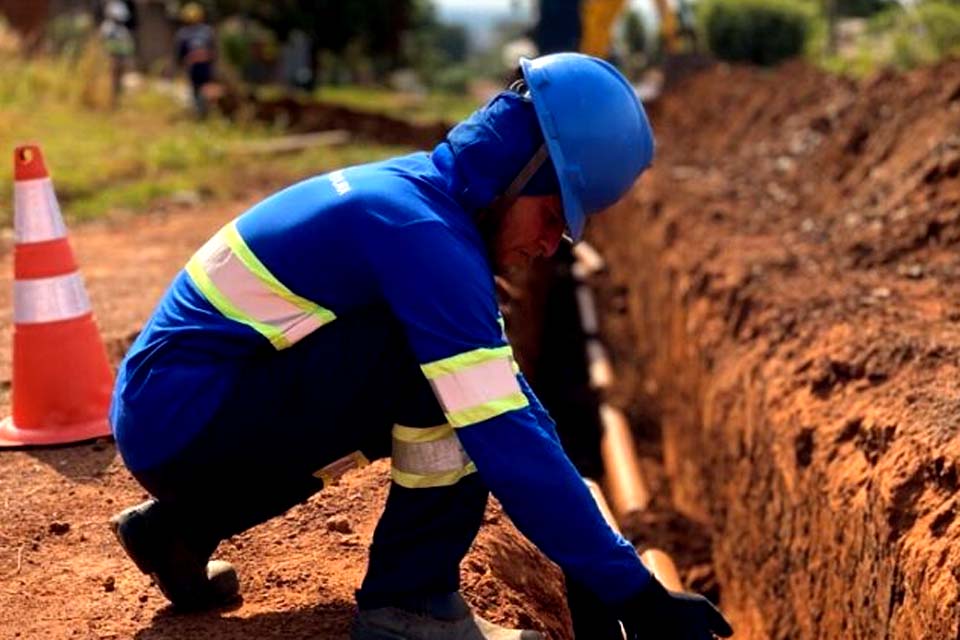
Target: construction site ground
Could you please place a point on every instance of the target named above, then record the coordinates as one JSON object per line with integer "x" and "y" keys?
{"x": 782, "y": 302}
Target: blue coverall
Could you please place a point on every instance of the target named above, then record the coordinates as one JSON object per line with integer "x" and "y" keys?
{"x": 225, "y": 423}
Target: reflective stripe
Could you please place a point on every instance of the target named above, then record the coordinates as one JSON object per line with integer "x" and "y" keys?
{"x": 429, "y": 457}
{"x": 49, "y": 299}
{"x": 476, "y": 385}
{"x": 464, "y": 360}
{"x": 234, "y": 281}
{"x": 488, "y": 410}
{"x": 37, "y": 216}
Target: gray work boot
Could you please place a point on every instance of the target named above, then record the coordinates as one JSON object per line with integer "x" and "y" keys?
{"x": 182, "y": 572}
{"x": 444, "y": 617}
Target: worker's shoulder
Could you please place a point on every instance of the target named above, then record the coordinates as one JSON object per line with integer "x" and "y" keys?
{"x": 393, "y": 197}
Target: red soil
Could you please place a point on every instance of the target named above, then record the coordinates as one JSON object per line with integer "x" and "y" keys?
{"x": 783, "y": 298}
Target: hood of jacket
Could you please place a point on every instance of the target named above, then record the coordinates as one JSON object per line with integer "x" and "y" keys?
{"x": 482, "y": 155}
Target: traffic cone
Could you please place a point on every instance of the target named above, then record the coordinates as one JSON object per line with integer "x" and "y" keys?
{"x": 62, "y": 380}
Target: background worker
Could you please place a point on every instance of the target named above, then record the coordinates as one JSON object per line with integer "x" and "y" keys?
{"x": 118, "y": 40}
{"x": 196, "y": 47}
{"x": 360, "y": 305}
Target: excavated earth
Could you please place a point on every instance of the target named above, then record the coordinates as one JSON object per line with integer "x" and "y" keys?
{"x": 784, "y": 301}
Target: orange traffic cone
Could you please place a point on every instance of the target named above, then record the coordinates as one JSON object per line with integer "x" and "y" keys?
{"x": 61, "y": 377}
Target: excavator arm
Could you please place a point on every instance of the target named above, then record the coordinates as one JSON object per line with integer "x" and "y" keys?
{"x": 596, "y": 23}
{"x": 597, "y": 18}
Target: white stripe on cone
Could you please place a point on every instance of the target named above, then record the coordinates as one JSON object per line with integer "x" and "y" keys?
{"x": 37, "y": 216}
{"x": 49, "y": 299}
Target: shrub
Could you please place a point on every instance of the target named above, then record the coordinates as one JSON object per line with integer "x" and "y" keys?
{"x": 762, "y": 32}
{"x": 940, "y": 22}
{"x": 915, "y": 36}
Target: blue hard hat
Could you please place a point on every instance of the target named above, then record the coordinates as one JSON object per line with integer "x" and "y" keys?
{"x": 596, "y": 131}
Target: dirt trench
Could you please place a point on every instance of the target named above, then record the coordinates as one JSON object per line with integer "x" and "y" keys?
{"x": 783, "y": 300}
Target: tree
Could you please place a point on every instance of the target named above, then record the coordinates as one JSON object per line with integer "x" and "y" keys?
{"x": 333, "y": 24}
{"x": 862, "y": 8}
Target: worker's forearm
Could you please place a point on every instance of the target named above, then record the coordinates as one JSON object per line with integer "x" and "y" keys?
{"x": 542, "y": 492}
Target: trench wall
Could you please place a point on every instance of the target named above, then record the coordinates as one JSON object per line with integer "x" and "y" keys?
{"x": 792, "y": 295}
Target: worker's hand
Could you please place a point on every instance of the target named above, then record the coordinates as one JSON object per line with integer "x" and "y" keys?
{"x": 669, "y": 615}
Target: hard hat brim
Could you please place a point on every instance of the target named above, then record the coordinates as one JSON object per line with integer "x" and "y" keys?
{"x": 573, "y": 211}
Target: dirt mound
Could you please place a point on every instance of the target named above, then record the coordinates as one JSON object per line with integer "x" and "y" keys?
{"x": 788, "y": 273}
{"x": 62, "y": 575}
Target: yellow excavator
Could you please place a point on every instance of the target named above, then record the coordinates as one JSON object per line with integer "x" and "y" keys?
{"x": 587, "y": 26}
{"x": 596, "y": 26}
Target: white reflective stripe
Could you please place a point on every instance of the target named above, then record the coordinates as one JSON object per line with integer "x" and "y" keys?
{"x": 440, "y": 454}
{"x": 36, "y": 212}
{"x": 49, "y": 299}
{"x": 249, "y": 295}
{"x": 476, "y": 385}
{"x": 428, "y": 457}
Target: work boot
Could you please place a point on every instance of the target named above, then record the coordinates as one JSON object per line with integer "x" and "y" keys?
{"x": 180, "y": 570}
{"x": 445, "y": 617}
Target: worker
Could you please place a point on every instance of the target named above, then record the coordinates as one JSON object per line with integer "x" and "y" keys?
{"x": 353, "y": 316}
{"x": 196, "y": 50}
{"x": 118, "y": 41}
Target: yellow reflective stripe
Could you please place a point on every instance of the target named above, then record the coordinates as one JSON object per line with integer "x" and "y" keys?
{"x": 487, "y": 410}
{"x": 210, "y": 291}
{"x": 427, "y": 434}
{"x": 446, "y": 479}
{"x": 239, "y": 247}
{"x": 464, "y": 360}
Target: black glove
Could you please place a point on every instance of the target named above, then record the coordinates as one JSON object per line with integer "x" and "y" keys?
{"x": 657, "y": 614}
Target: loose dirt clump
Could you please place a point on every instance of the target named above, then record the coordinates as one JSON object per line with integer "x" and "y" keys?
{"x": 62, "y": 575}
{"x": 784, "y": 291}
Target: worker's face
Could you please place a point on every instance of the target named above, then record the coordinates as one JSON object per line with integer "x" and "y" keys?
{"x": 531, "y": 228}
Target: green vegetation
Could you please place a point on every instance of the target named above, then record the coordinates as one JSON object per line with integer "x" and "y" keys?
{"x": 899, "y": 37}
{"x": 349, "y": 41}
{"x": 148, "y": 149}
{"x": 431, "y": 107}
{"x": 868, "y": 35}
{"x": 761, "y": 32}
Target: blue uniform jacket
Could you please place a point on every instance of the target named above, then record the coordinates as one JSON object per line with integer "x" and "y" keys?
{"x": 399, "y": 232}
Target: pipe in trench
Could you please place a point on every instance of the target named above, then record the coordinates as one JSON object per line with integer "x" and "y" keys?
{"x": 598, "y": 365}
{"x": 625, "y": 481}
{"x": 660, "y": 564}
